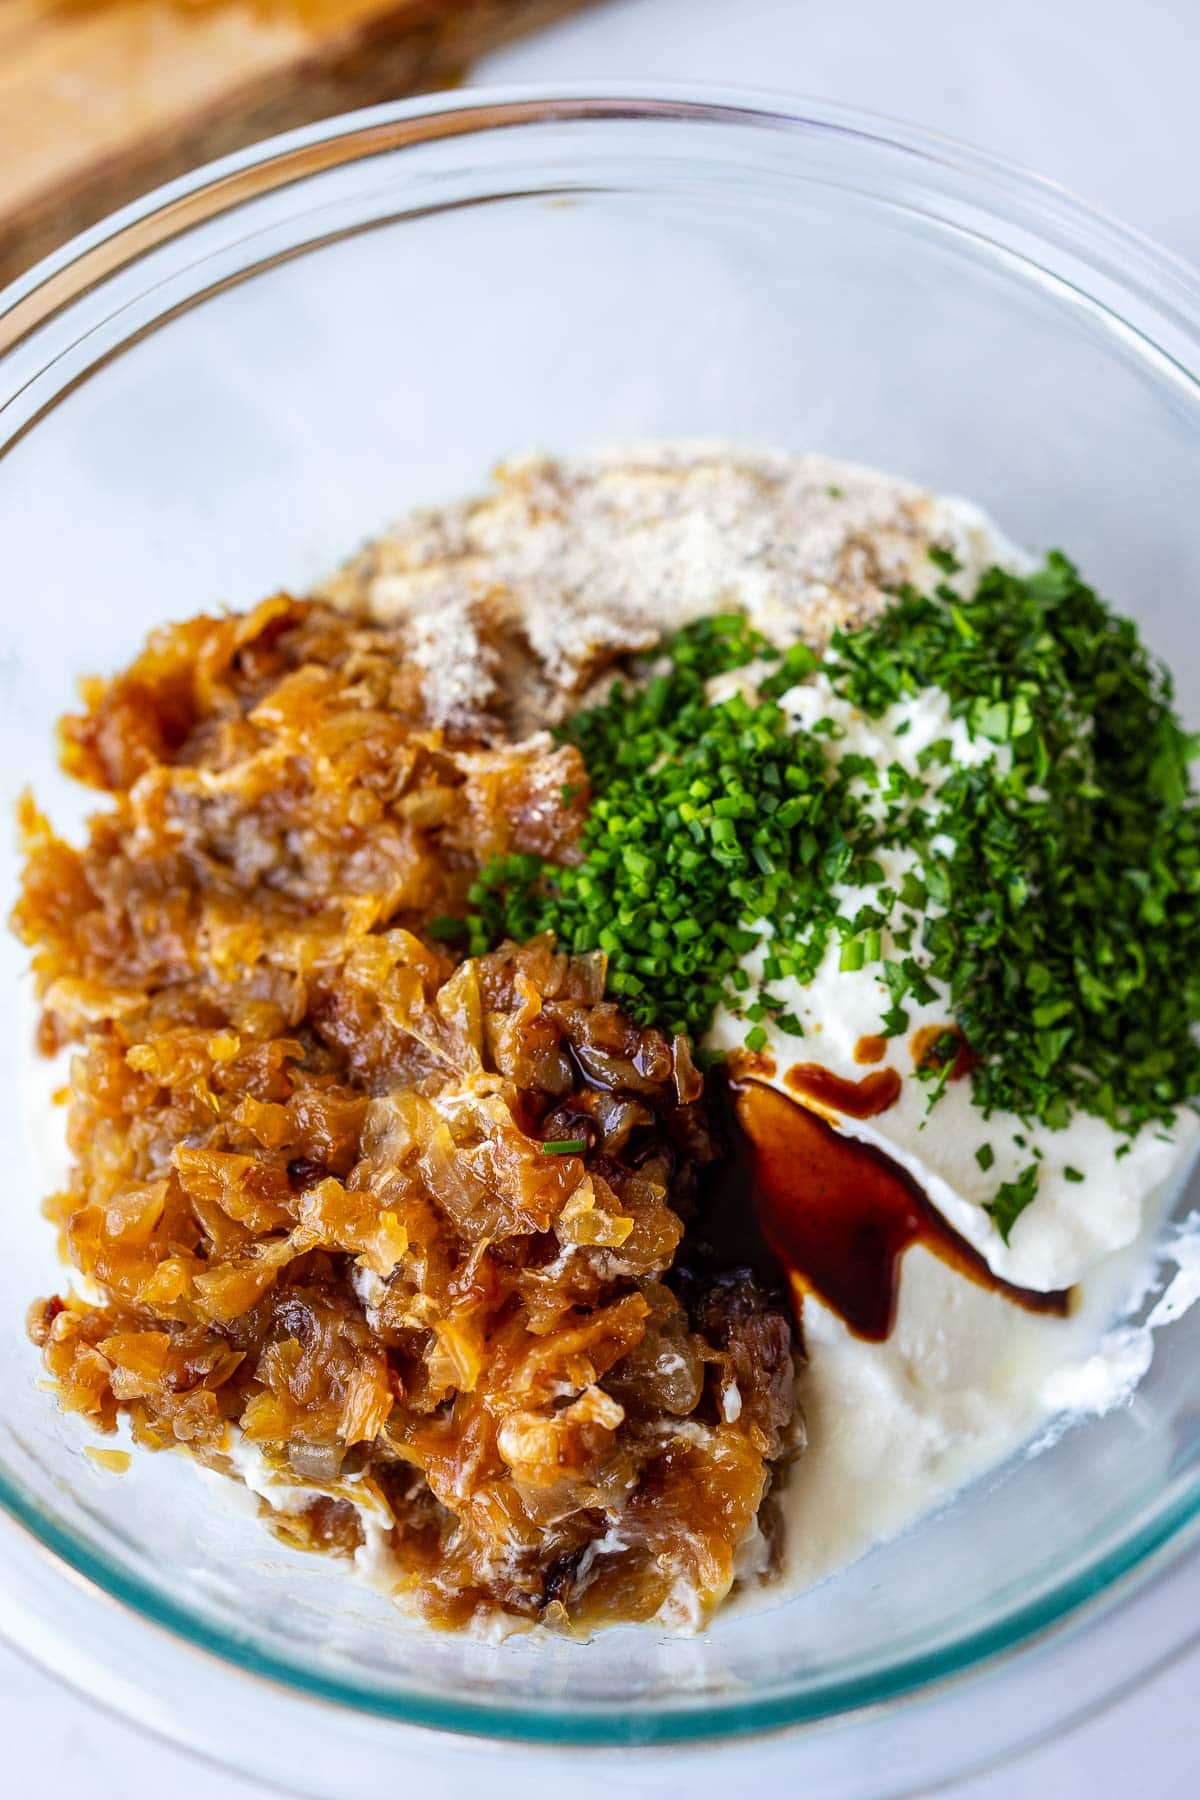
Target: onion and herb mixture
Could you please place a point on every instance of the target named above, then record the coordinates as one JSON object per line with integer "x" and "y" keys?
{"x": 409, "y": 1037}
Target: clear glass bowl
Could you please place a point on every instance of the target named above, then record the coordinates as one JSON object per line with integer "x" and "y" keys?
{"x": 233, "y": 383}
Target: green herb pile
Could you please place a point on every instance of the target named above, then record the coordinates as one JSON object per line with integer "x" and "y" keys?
{"x": 1070, "y": 939}
{"x": 1056, "y": 890}
{"x": 704, "y": 819}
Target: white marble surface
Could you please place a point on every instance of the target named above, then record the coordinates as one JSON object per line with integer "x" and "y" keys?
{"x": 1101, "y": 95}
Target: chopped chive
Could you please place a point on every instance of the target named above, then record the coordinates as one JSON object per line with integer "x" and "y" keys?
{"x": 445, "y": 928}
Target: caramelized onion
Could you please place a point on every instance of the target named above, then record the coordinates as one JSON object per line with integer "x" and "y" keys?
{"x": 316, "y": 1178}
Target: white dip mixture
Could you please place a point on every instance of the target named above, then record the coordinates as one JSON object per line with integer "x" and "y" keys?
{"x": 516, "y": 607}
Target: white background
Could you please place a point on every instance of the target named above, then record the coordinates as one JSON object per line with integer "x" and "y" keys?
{"x": 1101, "y": 95}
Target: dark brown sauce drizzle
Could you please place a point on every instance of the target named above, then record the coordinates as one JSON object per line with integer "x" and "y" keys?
{"x": 723, "y": 1255}
{"x": 870, "y": 1049}
{"x": 821, "y": 1088}
{"x": 724, "y": 1235}
{"x": 828, "y": 1214}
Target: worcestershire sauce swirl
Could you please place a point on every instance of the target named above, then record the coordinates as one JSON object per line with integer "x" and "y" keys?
{"x": 830, "y": 1214}
{"x": 824, "y": 1091}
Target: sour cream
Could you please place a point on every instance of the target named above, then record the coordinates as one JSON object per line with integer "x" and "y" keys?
{"x": 965, "y": 1378}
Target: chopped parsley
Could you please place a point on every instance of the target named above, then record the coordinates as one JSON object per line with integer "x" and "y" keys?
{"x": 1070, "y": 937}
{"x": 564, "y": 1146}
{"x": 944, "y": 559}
{"x": 1010, "y": 1200}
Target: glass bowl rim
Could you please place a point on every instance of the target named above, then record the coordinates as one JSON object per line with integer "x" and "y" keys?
{"x": 65, "y": 278}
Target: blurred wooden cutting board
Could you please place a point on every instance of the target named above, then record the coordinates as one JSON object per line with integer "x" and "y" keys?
{"x": 102, "y": 99}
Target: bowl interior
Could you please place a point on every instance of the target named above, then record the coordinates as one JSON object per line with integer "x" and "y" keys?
{"x": 239, "y": 407}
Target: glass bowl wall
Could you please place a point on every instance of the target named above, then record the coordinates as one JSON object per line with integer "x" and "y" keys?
{"x": 230, "y": 386}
